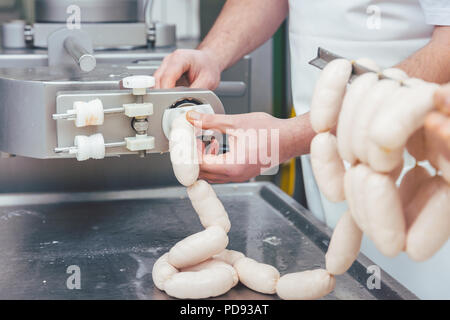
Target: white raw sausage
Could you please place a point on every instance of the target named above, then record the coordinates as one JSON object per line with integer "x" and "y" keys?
{"x": 395, "y": 74}
{"x": 352, "y": 100}
{"x": 229, "y": 256}
{"x": 208, "y": 207}
{"x": 384, "y": 214}
{"x": 368, "y": 63}
{"x": 354, "y": 182}
{"x": 307, "y": 285}
{"x": 431, "y": 227}
{"x": 162, "y": 271}
{"x": 206, "y": 283}
{"x": 382, "y": 159}
{"x": 328, "y": 94}
{"x": 257, "y": 276}
{"x": 183, "y": 151}
{"x": 401, "y": 116}
{"x": 198, "y": 247}
{"x": 213, "y": 263}
{"x": 348, "y": 189}
{"x": 370, "y": 106}
{"x": 344, "y": 245}
{"x": 327, "y": 166}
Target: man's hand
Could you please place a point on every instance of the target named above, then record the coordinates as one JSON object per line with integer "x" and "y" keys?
{"x": 241, "y": 28}
{"x": 256, "y": 143}
{"x": 201, "y": 69}
{"x": 442, "y": 99}
{"x": 242, "y": 161}
{"x": 437, "y": 123}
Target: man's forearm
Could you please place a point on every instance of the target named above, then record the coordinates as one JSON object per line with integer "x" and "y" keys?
{"x": 432, "y": 62}
{"x": 242, "y": 26}
{"x": 296, "y": 137}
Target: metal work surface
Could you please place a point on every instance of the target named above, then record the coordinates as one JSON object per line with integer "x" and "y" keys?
{"x": 115, "y": 238}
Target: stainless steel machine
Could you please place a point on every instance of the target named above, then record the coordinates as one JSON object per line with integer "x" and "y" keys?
{"x": 112, "y": 218}
{"x": 80, "y": 51}
{"x": 76, "y": 36}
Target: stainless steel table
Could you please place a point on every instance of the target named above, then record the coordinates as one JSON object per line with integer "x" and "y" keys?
{"x": 115, "y": 238}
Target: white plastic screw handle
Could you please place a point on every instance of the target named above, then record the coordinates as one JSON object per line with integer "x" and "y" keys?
{"x": 139, "y": 82}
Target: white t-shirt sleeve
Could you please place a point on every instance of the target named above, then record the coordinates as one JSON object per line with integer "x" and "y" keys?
{"x": 437, "y": 12}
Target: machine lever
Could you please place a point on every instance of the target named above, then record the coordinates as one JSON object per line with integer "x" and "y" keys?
{"x": 85, "y": 60}
{"x": 231, "y": 89}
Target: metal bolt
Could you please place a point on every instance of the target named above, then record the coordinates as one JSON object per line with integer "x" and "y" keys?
{"x": 29, "y": 33}
{"x": 151, "y": 35}
{"x": 140, "y": 125}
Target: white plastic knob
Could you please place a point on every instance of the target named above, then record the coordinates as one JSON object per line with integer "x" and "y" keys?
{"x": 88, "y": 113}
{"x": 92, "y": 147}
{"x": 83, "y": 148}
{"x": 139, "y": 84}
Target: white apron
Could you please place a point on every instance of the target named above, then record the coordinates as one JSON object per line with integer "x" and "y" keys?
{"x": 388, "y": 32}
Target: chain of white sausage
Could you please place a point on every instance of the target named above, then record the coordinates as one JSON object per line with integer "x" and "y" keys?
{"x": 345, "y": 243}
{"x": 377, "y": 207}
{"x": 203, "y": 256}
